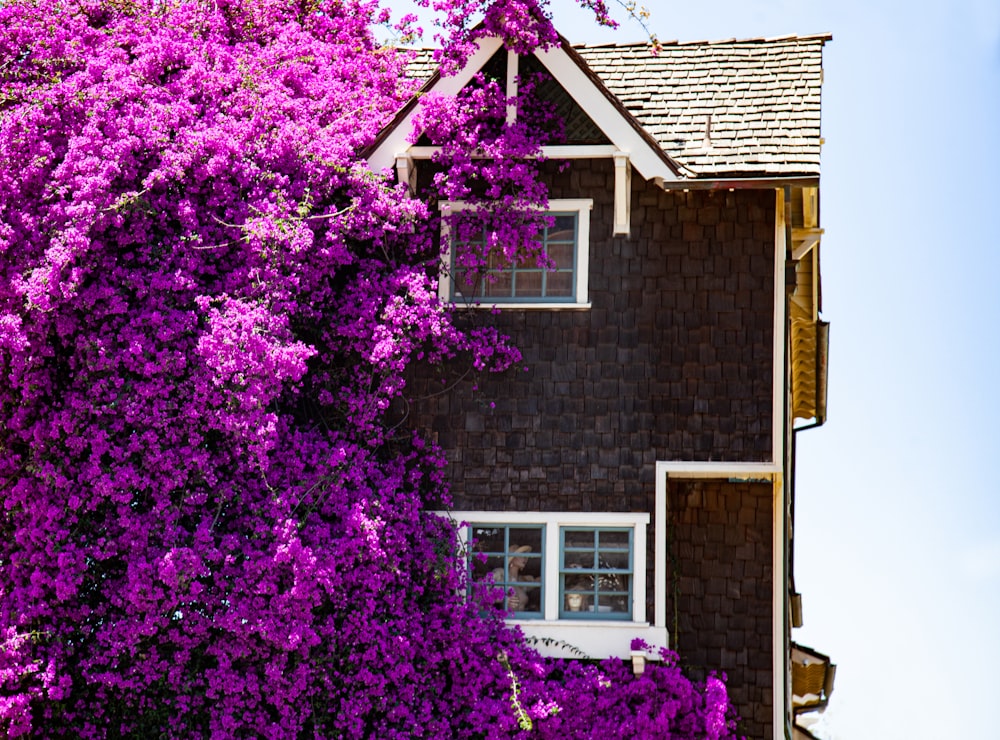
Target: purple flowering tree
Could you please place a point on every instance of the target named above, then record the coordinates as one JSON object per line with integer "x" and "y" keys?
{"x": 211, "y": 525}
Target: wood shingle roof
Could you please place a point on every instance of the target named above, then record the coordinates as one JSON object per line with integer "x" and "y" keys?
{"x": 735, "y": 108}
{"x": 723, "y": 108}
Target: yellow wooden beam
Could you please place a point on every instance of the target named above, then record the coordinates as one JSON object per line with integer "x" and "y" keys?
{"x": 810, "y": 207}
{"x": 803, "y": 240}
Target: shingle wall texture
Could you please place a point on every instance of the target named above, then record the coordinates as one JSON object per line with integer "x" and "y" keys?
{"x": 720, "y": 580}
{"x": 673, "y": 361}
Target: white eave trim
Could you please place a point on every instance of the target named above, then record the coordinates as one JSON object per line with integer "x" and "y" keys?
{"x": 555, "y": 151}
{"x": 718, "y": 470}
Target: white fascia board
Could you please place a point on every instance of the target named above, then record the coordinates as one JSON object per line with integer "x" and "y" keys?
{"x": 717, "y": 470}
{"x": 778, "y": 386}
{"x": 395, "y": 143}
{"x": 647, "y": 161}
{"x": 555, "y": 151}
{"x": 567, "y": 518}
{"x": 779, "y": 561}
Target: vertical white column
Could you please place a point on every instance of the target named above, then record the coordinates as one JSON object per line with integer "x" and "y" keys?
{"x": 511, "y": 86}
{"x": 660, "y": 549}
{"x": 623, "y": 194}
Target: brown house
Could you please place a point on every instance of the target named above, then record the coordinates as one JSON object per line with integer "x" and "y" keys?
{"x": 636, "y": 478}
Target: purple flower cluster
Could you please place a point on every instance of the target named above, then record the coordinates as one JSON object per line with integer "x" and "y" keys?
{"x": 604, "y": 701}
{"x": 211, "y": 524}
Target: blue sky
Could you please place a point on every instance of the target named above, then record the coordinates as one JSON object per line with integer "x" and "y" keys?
{"x": 898, "y": 519}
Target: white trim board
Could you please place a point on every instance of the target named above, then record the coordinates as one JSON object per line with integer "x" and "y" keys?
{"x": 718, "y": 470}
{"x": 396, "y": 141}
{"x": 778, "y": 340}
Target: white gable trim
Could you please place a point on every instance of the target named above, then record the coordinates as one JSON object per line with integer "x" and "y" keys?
{"x": 647, "y": 160}
{"x": 395, "y": 144}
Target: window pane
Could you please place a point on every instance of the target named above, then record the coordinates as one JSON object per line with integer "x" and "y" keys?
{"x": 579, "y": 559}
{"x": 559, "y": 284}
{"x": 489, "y": 539}
{"x": 511, "y": 558}
{"x": 525, "y": 599}
{"x": 463, "y": 283}
{"x": 482, "y": 568}
{"x": 614, "y": 539}
{"x": 564, "y": 227}
{"x": 530, "y": 537}
{"x": 561, "y": 255}
{"x": 528, "y": 565}
{"x": 528, "y": 284}
{"x": 578, "y": 538}
{"x": 595, "y": 571}
{"x": 499, "y": 284}
{"x": 613, "y": 603}
{"x": 614, "y": 560}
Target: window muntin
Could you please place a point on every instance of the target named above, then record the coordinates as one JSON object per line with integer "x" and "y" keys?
{"x": 512, "y": 556}
{"x": 526, "y": 281}
{"x": 595, "y": 573}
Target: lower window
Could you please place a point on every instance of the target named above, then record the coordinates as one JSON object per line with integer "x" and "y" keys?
{"x": 560, "y": 566}
{"x": 574, "y": 582}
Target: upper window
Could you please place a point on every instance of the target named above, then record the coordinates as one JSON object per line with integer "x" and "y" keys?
{"x": 562, "y": 283}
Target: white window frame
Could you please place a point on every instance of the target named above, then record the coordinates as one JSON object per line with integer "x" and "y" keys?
{"x": 581, "y": 298}
{"x": 596, "y": 638}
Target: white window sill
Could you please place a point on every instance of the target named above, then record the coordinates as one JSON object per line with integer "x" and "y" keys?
{"x": 527, "y": 306}
{"x": 596, "y": 639}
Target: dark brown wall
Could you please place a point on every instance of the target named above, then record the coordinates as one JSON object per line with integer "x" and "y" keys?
{"x": 672, "y": 362}
{"x": 720, "y": 581}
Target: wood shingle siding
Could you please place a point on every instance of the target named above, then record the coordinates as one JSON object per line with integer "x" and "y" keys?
{"x": 673, "y": 361}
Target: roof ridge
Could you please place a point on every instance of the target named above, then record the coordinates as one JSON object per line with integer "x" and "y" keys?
{"x": 823, "y": 36}
{"x": 717, "y": 42}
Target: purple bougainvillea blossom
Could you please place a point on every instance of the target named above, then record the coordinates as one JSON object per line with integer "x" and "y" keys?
{"x": 213, "y": 522}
